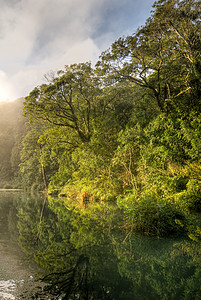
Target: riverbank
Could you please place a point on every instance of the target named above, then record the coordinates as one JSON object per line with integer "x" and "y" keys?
{"x": 10, "y": 190}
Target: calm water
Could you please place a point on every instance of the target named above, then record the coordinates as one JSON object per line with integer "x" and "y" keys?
{"x": 84, "y": 251}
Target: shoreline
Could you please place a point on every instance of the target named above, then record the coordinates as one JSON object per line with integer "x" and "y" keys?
{"x": 10, "y": 190}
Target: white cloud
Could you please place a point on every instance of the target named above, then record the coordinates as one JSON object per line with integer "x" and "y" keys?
{"x": 37, "y": 36}
{"x": 34, "y": 74}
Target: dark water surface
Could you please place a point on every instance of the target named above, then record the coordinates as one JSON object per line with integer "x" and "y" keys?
{"x": 86, "y": 251}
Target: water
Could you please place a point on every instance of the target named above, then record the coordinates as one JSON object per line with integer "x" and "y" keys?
{"x": 13, "y": 269}
{"x": 73, "y": 251}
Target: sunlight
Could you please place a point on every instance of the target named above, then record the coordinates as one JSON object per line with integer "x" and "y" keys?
{"x": 3, "y": 94}
{"x": 5, "y": 89}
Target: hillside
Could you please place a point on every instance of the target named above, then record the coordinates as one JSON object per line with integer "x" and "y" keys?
{"x": 11, "y": 131}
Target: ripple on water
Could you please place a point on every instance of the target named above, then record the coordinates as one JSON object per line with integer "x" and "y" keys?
{"x": 7, "y": 289}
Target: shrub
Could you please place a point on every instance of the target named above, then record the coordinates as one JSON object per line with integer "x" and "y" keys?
{"x": 156, "y": 219}
{"x": 190, "y": 199}
{"x": 152, "y": 216}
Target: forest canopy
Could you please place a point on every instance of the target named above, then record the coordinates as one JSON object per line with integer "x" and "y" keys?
{"x": 128, "y": 129}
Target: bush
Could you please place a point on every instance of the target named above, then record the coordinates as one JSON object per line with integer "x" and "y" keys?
{"x": 190, "y": 199}
{"x": 151, "y": 216}
{"x": 156, "y": 219}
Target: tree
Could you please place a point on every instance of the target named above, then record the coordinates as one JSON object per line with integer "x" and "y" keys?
{"x": 163, "y": 56}
{"x": 30, "y": 166}
{"x": 81, "y": 119}
{"x": 69, "y": 100}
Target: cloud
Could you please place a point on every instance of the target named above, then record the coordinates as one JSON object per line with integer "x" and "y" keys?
{"x": 37, "y": 36}
{"x": 34, "y": 74}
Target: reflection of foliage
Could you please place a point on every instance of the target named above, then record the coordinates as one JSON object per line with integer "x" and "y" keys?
{"x": 84, "y": 253}
{"x": 162, "y": 269}
{"x": 29, "y": 216}
{"x": 150, "y": 215}
{"x": 71, "y": 280}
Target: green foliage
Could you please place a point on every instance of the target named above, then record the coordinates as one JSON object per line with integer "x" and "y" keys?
{"x": 190, "y": 198}
{"x": 150, "y": 214}
{"x": 68, "y": 100}
{"x": 30, "y": 155}
{"x": 162, "y": 56}
{"x": 128, "y": 129}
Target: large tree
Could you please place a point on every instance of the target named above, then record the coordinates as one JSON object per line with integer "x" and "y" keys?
{"x": 163, "y": 56}
{"x": 69, "y": 99}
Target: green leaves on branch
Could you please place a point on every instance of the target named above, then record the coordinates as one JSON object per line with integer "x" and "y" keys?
{"x": 130, "y": 128}
{"x": 68, "y": 100}
{"x": 163, "y": 56}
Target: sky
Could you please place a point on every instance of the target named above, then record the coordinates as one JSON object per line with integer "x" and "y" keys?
{"x": 39, "y": 36}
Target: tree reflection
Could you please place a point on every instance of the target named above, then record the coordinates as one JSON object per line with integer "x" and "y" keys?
{"x": 85, "y": 252}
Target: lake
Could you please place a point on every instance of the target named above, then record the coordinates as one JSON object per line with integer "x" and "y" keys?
{"x": 59, "y": 249}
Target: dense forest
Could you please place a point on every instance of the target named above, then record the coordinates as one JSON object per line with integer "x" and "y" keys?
{"x": 126, "y": 130}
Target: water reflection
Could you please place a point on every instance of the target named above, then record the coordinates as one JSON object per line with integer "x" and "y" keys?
{"x": 85, "y": 251}
{"x": 7, "y": 288}
{"x": 14, "y": 271}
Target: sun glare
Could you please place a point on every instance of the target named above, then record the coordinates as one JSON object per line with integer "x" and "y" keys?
{"x": 3, "y": 94}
